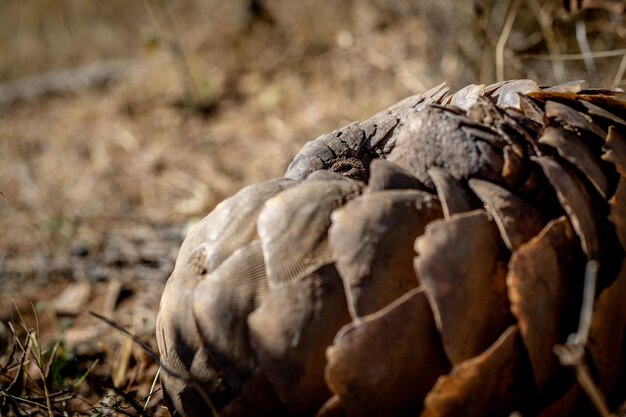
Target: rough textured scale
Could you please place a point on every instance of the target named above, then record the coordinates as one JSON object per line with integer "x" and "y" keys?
{"x": 425, "y": 261}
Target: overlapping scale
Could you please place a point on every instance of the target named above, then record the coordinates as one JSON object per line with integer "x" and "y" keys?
{"x": 490, "y": 384}
{"x": 385, "y": 175}
{"x": 293, "y": 226}
{"x": 517, "y": 220}
{"x": 570, "y": 118}
{"x": 573, "y": 149}
{"x": 544, "y": 285}
{"x": 608, "y": 332}
{"x": 441, "y": 144}
{"x": 577, "y": 203}
{"x": 468, "y": 297}
{"x": 615, "y": 150}
{"x": 232, "y": 224}
{"x": 386, "y": 362}
{"x": 221, "y": 305}
{"x": 375, "y": 261}
{"x": 290, "y": 331}
{"x": 508, "y": 94}
{"x": 453, "y": 194}
{"x": 441, "y": 287}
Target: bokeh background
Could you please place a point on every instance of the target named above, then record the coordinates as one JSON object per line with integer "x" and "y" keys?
{"x": 124, "y": 122}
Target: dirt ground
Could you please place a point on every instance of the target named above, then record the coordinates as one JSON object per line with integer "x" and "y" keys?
{"x": 123, "y": 123}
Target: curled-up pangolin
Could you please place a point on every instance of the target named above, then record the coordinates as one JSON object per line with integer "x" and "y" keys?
{"x": 423, "y": 262}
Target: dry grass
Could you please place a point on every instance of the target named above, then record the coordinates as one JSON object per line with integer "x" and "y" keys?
{"x": 38, "y": 378}
{"x": 99, "y": 184}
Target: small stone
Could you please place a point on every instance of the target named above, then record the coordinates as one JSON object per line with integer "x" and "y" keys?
{"x": 73, "y": 299}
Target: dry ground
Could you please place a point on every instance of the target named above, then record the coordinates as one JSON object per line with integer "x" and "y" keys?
{"x": 101, "y": 178}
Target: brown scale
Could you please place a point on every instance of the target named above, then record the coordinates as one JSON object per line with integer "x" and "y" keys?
{"x": 439, "y": 288}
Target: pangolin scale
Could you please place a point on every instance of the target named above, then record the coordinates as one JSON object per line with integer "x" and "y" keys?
{"x": 424, "y": 262}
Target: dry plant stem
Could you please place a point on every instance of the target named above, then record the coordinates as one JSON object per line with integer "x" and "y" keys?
{"x": 584, "y": 379}
{"x": 154, "y": 381}
{"x": 26, "y": 362}
{"x": 583, "y": 44}
{"x": 586, "y": 310}
{"x": 46, "y": 393}
{"x": 124, "y": 354}
{"x": 31, "y": 348}
{"x": 25, "y": 352}
{"x": 487, "y": 60}
{"x": 620, "y": 73}
{"x": 82, "y": 378}
{"x": 504, "y": 37}
{"x": 576, "y": 57}
{"x": 192, "y": 382}
{"x": 573, "y": 352}
{"x": 53, "y": 355}
{"x": 9, "y": 360}
{"x": 545, "y": 23}
{"x": 22, "y": 400}
{"x": 40, "y": 362}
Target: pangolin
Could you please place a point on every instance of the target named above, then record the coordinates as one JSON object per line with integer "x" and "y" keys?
{"x": 423, "y": 262}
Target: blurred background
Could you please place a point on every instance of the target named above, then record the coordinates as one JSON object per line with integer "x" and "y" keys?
{"x": 123, "y": 122}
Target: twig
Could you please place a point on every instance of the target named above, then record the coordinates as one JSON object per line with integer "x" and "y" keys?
{"x": 138, "y": 408}
{"x": 58, "y": 396}
{"x": 196, "y": 385}
{"x": 504, "y": 37}
{"x": 21, "y": 399}
{"x": 115, "y": 406}
{"x": 573, "y": 352}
